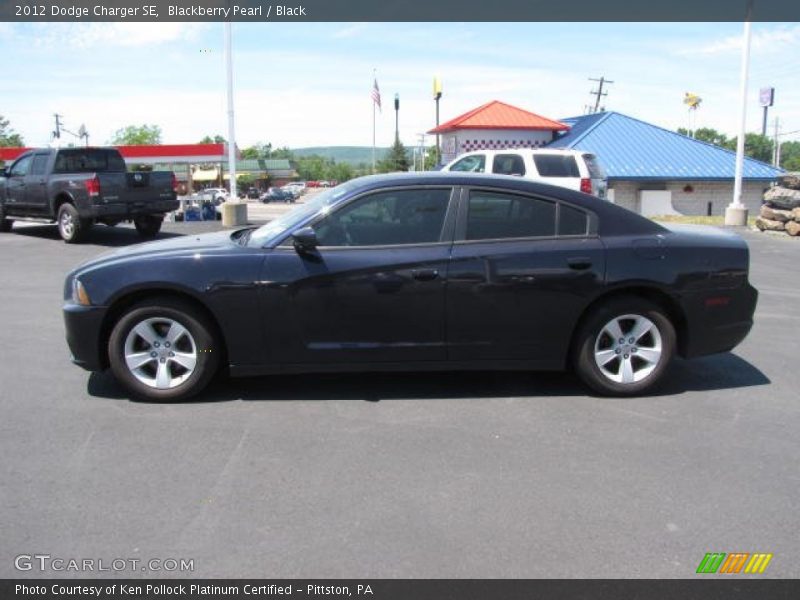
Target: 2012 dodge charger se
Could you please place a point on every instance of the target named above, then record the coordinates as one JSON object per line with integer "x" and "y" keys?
{"x": 416, "y": 272}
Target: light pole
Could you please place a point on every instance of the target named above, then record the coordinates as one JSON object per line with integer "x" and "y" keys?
{"x": 437, "y": 94}
{"x": 736, "y": 211}
{"x": 396, "y": 118}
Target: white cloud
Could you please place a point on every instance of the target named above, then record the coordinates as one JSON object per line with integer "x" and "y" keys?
{"x": 766, "y": 40}
{"x": 350, "y": 31}
{"x": 110, "y": 35}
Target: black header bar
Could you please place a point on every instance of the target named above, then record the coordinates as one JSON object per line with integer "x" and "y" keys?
{"x": 396, "y": 10}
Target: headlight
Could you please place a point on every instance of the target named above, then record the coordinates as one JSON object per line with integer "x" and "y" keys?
{"x": 79, "y": 295}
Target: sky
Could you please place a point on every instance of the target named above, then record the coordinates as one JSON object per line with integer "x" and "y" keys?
{"x": 309, "y": 84}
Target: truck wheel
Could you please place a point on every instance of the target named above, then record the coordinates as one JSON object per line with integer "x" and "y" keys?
{"x": 163, "y": 350}
{"x": 5, "y": 224}
{"x": 624, "y": 347}
{"x": 148, "y": 226}
{"x": 71, "y": 227}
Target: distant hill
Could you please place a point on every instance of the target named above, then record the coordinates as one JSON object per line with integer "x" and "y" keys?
{"x": 353, "y": 155}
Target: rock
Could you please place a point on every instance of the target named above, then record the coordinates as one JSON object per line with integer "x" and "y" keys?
{"x": 776, "y": 214}
{"x": 790, "y": 181}
{"x": 796, "y": 214}
{"x": 781, "y": 197}
{"x": 792, "y": 228}
{"x": 769, "y": 225}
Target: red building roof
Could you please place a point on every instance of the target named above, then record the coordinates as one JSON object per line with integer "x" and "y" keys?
{"x": 213, "y": 151}
{"x": 155, "y": 153}
{"x": 11, "y": 153}
{"x": 499, "y": 115}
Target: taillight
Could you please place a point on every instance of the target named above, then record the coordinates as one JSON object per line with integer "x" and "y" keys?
{"x": 174, "y": 183}
{"x": 93, "y": 186}
{"x": 586, "y": 185}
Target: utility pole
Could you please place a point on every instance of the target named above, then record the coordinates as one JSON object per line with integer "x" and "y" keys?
{"x": 57, "y": 132}
{"x": 599, "y": 93}
{"x": 437, "y": 95}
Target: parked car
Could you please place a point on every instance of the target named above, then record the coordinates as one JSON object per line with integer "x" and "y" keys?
{"x": 293, "y": 191}
{"x": 275, "y": 194}
{"x": 416, "y": 271}
{"x": 571, "y": 169}
{"x": 216, "y": 195}
{"x": 77, "y": 187}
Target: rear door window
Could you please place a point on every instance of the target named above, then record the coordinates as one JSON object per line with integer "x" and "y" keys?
{"x": 508, "y": 164}
{"x": 475, "y": 163}
{"x": 572, "y": 221}
{"x": 495, "y": 215}
{"x": 556, "y": 165}
{"x": 39, "y": 164}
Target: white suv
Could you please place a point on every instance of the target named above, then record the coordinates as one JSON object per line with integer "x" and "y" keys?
{"x": 565, "y": 168}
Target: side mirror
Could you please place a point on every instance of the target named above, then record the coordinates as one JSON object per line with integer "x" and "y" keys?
{"x": 305, "y": 238}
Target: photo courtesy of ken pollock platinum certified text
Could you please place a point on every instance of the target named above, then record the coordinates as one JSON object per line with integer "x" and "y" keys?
{"x": 193, "y": 589}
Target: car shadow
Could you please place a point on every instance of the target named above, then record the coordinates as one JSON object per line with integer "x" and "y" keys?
{"x": 719, "y": 372}
{"x": 98, "y": 235}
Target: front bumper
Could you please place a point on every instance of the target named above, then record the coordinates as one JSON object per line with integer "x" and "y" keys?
{"x": 84, "y": 326}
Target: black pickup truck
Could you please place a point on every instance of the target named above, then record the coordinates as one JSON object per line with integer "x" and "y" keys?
{"x": 76, "y": 187}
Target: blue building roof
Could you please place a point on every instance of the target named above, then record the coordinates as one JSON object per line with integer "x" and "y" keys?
{"x": 632, "y": 149}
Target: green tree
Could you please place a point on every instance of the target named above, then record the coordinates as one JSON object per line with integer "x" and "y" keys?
{"x": 217, "y": 139}
{"x": 706, "y": 134}
{"x": 134, "y": 135}
{"x": 756, "y": 146}
{"x": 8, "y": 137}
{"x": 396, "y": 160}
{"x": 431, "y": 158}
{"x": 257, "y": 151}
{"x": 790, "y": 156}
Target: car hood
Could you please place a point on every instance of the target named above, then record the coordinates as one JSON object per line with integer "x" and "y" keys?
{"x": 177, "y": 246}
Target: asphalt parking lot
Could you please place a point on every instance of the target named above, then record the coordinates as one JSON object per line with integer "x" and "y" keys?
{"x": 404, "y": 475}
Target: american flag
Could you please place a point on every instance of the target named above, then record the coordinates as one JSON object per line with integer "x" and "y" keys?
{"x": 376, "y": 94}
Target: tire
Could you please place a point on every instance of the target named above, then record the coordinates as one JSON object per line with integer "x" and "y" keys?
{"x": 71, "y": 227}
{"x": 630, "y": 368}
{"x": 5, "y": 224}
{"x": 148, "y": 226}
{"x": 169, "y": 329}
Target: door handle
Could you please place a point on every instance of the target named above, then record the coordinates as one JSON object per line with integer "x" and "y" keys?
{"x": 425, "y": 274}
{"x": 579, "y": 263}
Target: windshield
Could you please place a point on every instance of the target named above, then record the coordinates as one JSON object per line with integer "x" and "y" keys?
{"x": 288, "y": 221}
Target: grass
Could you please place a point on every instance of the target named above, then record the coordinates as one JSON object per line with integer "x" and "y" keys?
{"x": 718, "y": 220}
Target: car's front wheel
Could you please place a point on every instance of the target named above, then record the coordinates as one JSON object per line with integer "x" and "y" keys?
{"x": 624, "y": 347}
{"x": 163, "y": 350}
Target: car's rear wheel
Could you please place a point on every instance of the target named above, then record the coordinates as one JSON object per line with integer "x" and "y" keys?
{"x": 148, "y": 226}
{"x": 5, "y": 223}
{"x": 71, "y": 227}
{"x": 163, "y": 350}
{"x": 624, "y": 347}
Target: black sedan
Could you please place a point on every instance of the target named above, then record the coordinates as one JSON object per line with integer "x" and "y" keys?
{"x": 416, "y": 272}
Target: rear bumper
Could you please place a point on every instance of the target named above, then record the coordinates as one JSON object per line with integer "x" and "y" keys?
{"x": 123, "y": 210}
{"x": 83, "y": 328}
{"x": 714, "y": 326}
